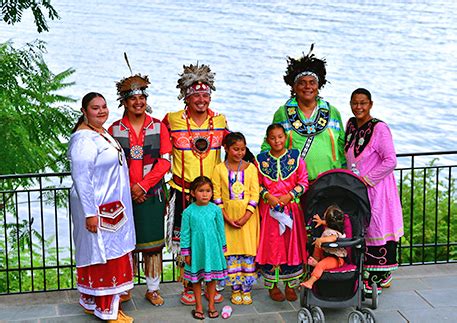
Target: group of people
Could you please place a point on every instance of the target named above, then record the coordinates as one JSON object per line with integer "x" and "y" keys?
{"x": 227, "y": 222}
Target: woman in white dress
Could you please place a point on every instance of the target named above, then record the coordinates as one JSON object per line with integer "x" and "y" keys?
{"x": 101, "y": 211}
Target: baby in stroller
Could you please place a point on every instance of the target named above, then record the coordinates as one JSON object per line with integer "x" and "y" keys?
{"x": 342, "y": 194}
{"x": 325, "y": 258}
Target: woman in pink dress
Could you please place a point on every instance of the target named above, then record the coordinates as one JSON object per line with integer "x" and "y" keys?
{"x": 282, "y": 247}
{"x": 370, "y": 153}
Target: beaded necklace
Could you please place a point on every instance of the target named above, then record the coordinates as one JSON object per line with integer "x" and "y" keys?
{"x": 200, "y": 145}
{"x": 115, "y": 144}
{"x": 236, "y": 186}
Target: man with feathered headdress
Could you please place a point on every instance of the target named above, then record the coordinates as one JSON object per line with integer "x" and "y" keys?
{"x": 196, "y": 134}
{"x": 147, "y": 146}
{"x": 313, "y": 125}
{"x": 315, "y": 128}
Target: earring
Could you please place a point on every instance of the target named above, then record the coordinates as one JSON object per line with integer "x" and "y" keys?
{"x": 85, "y": 119}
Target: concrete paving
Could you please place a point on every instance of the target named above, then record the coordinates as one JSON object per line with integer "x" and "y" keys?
{"x": 418, "y": 294}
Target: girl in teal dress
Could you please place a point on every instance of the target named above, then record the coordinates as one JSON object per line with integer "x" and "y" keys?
{"x": 203, "y": 244}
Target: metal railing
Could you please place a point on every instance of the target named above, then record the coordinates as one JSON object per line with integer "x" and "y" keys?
{"x": 36, "y": 247}
{"x": 427, "y": 186}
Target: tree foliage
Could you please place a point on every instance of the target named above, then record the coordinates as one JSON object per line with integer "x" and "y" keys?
{"x": 35, "y": 125}
{"x": 12, "y": 12}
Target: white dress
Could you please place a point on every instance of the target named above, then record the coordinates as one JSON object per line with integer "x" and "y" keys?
{"x": 98, "y": 178}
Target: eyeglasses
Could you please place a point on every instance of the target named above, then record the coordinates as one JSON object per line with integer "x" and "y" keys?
{"x": 362, "y": 104}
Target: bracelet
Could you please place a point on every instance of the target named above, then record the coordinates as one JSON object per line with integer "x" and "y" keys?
{"x": 263, "y": 192}
{"x": 297, "y": 191}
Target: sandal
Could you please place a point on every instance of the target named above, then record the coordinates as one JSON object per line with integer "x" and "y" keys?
{"x": 218, "y": 298}
{"x": 236, "y": 298}
{"x": 213, "y": 314}
{"x": 247, "y": 299}
{"x": 198, "y": 315}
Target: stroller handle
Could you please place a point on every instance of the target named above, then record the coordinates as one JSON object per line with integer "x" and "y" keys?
{"x": 345, "y": 242}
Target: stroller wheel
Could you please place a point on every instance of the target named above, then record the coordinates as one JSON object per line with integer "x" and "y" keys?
{"x": 374, "y": 296}
{"x": 303, "y": 297}
{"x": 356, "y": 317}
{"x": 317, "y": 314}
{"x": 370, "y": 317}
{"x": 304, "y": 316}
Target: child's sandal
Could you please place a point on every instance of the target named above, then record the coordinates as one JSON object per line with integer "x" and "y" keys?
{"x": 213, "y": 314}
{"x": 198, "y": 315}
{"x": 247, "y": 299}
{"x": 236, "y": 298}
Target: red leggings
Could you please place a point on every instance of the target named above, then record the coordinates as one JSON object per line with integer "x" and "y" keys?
{"x": 325, "y": 263}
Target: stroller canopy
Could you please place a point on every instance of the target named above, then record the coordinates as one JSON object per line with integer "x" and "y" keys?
{"x": 343, "y": 188}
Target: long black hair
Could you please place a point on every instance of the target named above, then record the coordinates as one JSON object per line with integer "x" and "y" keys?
{"x": 232, "y": 138}
{"x": 84, "y": 104}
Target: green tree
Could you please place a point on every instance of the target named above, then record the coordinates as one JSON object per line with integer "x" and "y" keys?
{"x": 12, "y": 12}
{"x": 35, "y": 125}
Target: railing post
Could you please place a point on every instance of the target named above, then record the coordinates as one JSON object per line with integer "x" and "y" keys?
{"x": 16, "y": 206}
{"x": 436, "y": 213}
{"x": 31, "y": 240}
{"x": 411, "y": 215}
{"x": 43, "y": 252}
{"x": 424, "y": 197}
{"x": 449, "y": 214}
{"x": 400, "y": 247}
{"x": 6, "y": 245}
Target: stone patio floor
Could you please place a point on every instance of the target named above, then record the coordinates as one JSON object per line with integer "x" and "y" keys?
{"x": 426, "y": 293}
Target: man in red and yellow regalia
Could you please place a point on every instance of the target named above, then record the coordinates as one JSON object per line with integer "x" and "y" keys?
{"x": 196, "y": 135}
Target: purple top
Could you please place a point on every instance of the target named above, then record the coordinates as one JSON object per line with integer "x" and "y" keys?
{"x": 376, "y": 163}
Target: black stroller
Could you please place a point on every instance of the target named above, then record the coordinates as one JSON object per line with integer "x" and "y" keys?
{"x": 341, "y": 287}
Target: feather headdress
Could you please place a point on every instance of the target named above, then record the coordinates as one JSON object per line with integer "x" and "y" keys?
{"x": 195, "y": 74}
{"x": 134, "y": 82}
{"x": 307, "y": 63}
{"x": 131, "y": 85}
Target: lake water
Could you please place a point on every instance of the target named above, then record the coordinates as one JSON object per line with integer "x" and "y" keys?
{"x": 405, "y": 53}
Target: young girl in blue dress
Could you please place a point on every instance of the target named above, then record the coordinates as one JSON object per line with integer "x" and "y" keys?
{"x": 203, "y": 245}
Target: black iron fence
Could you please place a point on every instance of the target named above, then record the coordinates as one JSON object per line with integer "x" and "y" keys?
{"x": 36, "y": 248}
{"x": 427, "y": 186}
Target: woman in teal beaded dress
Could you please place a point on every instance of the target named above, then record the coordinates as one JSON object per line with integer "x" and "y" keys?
{"x": 203, "y": 244}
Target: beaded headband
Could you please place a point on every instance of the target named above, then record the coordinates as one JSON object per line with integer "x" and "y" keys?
{"x": 306, "y": 65}
{"x": 198, "y": 87}
{"x": 194, "y": 79}
{"x": 306, "y": 73}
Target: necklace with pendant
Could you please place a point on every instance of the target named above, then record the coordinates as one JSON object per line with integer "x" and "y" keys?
{"x": 200, "y": 145}
{"x": 237, "y": 187}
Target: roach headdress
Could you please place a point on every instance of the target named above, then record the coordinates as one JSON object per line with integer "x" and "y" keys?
{"x": 195, "y": 79}
{"x": 131, "y": 85}
{"x": 306, "y": 65}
